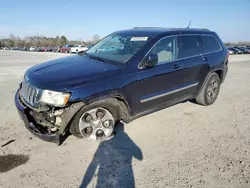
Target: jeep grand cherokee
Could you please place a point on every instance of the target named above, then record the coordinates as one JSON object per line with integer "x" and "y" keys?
{"x": 127, "y": 74}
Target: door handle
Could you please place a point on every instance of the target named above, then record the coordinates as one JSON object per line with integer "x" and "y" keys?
{"x": 176, "y": 66}
{"x": 204, "y": 58}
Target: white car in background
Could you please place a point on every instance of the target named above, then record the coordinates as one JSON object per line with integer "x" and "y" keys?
{"x": 32, "y": 48}
{"x": 78, "y": 48}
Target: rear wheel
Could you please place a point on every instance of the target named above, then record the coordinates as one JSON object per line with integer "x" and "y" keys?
{"x": 96, "y": 121}
{"x": 210, "y": 90}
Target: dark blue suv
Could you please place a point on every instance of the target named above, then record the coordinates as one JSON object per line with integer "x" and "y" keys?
{"x": 127, "y": 74}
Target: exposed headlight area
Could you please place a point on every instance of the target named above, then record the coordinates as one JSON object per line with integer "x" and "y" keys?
{"x": 54, "y": 98}
{"x": 34, "y": 96}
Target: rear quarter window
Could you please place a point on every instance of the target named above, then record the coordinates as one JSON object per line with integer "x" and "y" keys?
{"x": 210, "y": 44}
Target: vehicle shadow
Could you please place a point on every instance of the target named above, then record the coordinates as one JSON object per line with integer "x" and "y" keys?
{"x": 113, "y": 162}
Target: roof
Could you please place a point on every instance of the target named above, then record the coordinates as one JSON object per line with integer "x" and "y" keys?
{"x": 155, "y": 31}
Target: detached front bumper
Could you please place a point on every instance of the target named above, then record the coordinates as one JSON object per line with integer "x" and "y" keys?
{"x": 31, "y": 125}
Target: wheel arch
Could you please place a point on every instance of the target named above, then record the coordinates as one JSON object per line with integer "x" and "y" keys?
{"x": 121, "y": 99}
{"x": 218, "y": 71}
{"x": 71, "y": 111}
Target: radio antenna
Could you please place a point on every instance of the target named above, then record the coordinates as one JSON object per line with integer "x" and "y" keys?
{"x": 189, "y": 24}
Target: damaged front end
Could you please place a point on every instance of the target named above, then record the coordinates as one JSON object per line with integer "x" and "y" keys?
{"x": 47, "y": 122}
{"x": 50, "y": 119}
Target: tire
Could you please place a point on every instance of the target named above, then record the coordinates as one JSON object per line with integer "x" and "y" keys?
{"x": 110, "y": 104}
{"x": 209, "y": 91}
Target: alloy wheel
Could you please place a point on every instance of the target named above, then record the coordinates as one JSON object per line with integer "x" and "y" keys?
{"x": 96, "y": 124}
{"x": 212, "y": 90}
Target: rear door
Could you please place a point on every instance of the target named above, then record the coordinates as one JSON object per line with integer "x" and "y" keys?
{"x": 195, "y": 67}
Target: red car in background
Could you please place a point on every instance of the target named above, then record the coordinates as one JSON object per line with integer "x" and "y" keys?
{"x": 45, "y": 49}
{"x": 65, "y": 48}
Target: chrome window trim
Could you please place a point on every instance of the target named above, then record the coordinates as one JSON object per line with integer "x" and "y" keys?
{"x": 139, "y": 67}
{"x": 169, "y": 92}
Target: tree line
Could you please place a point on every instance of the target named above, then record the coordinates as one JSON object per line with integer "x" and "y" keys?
{"x": 237, "y": 43}
{"x": 41, "y": 40}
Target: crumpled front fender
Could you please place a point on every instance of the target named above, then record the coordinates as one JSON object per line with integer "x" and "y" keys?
{"x": 69, "y": 113}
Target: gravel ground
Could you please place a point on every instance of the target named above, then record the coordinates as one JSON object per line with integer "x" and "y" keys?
{"x": 186, "y": 145}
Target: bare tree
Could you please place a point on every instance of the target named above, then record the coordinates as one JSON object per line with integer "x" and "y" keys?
{"x": 12, "y": 40}
{"x": 63, "y": 40}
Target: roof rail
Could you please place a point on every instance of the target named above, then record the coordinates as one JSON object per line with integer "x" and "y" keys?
{"x": 199, "y": 29}
{"x": 171, "y": 28}
{"x": 149, "y": 28}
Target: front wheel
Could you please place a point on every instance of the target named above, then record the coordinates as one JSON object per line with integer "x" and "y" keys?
{"x": 210, "y": 90}
{"x": 95, "y": 121}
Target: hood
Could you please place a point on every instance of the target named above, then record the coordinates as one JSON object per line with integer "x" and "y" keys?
{"x": 60, "y": 74}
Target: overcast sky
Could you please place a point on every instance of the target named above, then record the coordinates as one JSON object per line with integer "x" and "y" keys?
{"x": 81, "y": 19}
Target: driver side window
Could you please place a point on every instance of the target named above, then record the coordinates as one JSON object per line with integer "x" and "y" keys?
{"x": 165, "y": 49}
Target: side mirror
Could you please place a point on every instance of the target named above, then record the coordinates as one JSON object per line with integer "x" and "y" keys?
{"x": 150, "y": 61}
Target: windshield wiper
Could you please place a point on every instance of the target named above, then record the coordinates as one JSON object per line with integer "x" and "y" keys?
{"x": 82, "y": 53}
{"x": 96, "y": 58}
{"x": 99, "y": 59}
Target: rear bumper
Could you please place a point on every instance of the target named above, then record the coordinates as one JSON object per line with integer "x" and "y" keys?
{"x": 31, "y": 125}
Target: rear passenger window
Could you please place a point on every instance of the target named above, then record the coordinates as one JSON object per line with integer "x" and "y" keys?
{"x": 189, "y": 46}
{"x": 209, "y": 44}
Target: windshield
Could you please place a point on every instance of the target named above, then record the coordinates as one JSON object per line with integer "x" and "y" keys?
{"x": 118, "y": 48}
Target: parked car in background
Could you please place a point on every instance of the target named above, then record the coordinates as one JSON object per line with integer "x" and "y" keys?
{"x": 238, "y": 51}
{"x": 56, "y": 48}
{"x": 248, "y": 48}
{"x": 91, "y": 92}
{"x": 32, "y": 48}
{"x": 23, "y": 49}
{"x": 231, "y": 50}
{"x": 16, "y": 48}
{"x": 65, "y": 48}
{"x": 45, "y": 49}
{"x": 78, "y": 49}
{"x": 5, "y": 48}
{"x": 243, "y": 51}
